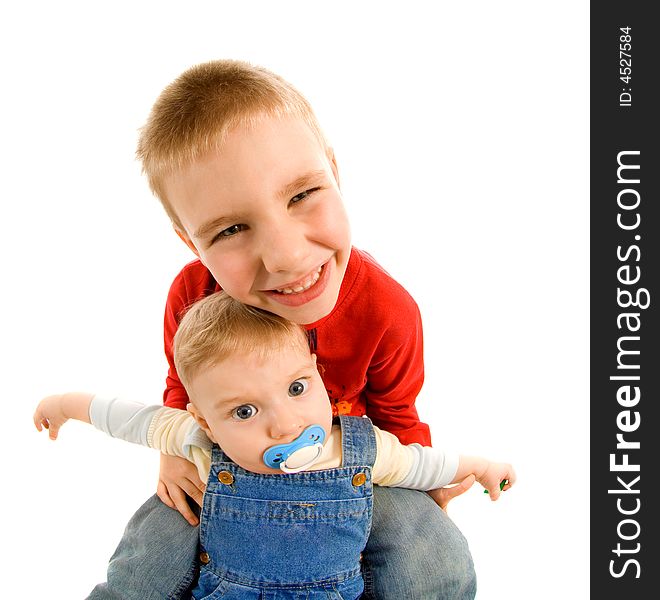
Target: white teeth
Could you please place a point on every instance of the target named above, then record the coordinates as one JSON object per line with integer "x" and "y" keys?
{"x": 301, "y": 287}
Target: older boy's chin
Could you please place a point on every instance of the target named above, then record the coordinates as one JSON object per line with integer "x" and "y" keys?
{"x": 306, "y": 314}
{"x": 309, "y": 306}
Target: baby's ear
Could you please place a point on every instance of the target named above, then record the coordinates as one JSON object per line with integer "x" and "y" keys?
{"x": 201, "y": 421}
{"x": 319, "y": 367}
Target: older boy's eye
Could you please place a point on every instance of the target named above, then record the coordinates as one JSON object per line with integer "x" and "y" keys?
{"x": 244, "y": 412}
{"x": 299, "y": 386}
{"x": 303, "y": 195}
{"x": 229, "y": 232}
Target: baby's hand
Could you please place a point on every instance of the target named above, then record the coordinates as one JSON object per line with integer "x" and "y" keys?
{"x": 53, "y": 411}
{"x": 497, "y": 478}
{"x": 50, "y": 414}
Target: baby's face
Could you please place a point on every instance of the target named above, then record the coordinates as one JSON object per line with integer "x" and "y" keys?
{"x": 265, "y": 215}
{"x": 249, "y": 403}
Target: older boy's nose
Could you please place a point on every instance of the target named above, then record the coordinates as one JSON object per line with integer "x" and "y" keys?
{"x": 283, "y": 249}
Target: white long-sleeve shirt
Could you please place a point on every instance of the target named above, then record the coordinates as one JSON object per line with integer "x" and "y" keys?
{"x": 175, "y": 432}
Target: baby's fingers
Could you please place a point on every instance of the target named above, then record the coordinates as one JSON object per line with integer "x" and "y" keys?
{"x": 40, "y": 422}
{"x": 508, "y": 483}
{"x": 53, "y": 430}
{"x": 494, "y": 490}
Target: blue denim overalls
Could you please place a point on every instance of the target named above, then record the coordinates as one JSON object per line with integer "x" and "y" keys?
{"x": 288, "y": 536}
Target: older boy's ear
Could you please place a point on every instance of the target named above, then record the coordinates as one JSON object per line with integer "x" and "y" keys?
{"x": 201, "y": 421}
{"x": 333, "y": 164}
{"x": 186, "y": 240}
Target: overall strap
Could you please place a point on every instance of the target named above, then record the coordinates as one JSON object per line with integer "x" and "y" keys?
{"x": 358, "y": 441}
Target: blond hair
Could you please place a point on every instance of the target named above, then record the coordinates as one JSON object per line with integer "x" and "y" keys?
{"x": 193, "y": 115}
{"x": 219, "y": 326}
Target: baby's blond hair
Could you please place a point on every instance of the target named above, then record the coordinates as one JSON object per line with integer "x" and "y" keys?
{"x": 193, "y": 115}
{"x": 218, "y": 326}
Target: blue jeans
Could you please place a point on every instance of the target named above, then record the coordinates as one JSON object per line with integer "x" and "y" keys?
{"x": 414, "y": 552}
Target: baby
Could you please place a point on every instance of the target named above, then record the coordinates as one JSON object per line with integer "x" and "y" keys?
{"x": 287, "y": 507}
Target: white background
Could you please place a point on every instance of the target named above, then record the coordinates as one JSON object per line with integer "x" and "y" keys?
{"x": 461, "y": 134}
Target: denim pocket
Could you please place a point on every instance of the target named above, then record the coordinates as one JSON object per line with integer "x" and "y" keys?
{"x": 211, "y": 587}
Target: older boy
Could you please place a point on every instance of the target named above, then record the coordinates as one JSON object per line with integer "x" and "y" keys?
{"x": 240, "y": 164}
{"x": 255, "y": 389}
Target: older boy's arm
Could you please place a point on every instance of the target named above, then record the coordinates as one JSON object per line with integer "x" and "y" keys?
{"x": 53, "y": 411}
{"x": 396, "y": 375}
{"x": 178, "y": 479}
{"x": 444, "y": 495}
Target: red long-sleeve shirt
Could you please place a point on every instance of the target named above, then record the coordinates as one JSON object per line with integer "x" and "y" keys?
{"x": 370, "y": 346}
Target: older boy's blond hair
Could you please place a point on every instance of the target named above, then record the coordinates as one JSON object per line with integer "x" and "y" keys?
{"x": 193, "y": 115}
{"x": 218, "y": 326}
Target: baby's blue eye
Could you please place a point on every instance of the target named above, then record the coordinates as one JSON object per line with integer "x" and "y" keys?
{"x": 244, "y": 412}
{"x": 298, "y": 387}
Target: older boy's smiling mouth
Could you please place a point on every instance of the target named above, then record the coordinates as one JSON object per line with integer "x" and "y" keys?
{"x": 302, "y": 284}
{"x": 303, "y": 290}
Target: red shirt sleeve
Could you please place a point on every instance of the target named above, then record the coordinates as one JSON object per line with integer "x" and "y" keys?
{"x": 372, "y": 350}
{"x": 395, "y": 378}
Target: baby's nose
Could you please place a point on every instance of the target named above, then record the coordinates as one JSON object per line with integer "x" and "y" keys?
{"x": 283, "y": 424}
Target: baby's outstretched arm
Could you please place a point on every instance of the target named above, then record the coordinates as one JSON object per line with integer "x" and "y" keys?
{"x": 166, "y": 429}
{"x": 495, "y": 477}
{"x": 431, "y": 469}
{"x": 53, "y": 411}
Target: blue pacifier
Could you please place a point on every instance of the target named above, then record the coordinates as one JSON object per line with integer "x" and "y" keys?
{"x": 299, "y": 454}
